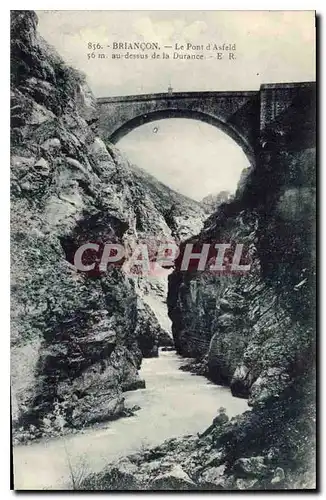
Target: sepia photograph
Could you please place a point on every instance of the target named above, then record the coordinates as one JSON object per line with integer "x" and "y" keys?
{"x": 163, "y": 250}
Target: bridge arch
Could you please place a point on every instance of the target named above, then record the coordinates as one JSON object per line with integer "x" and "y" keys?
{"x": 141, "y": 119}
{"x": 251, "y": 118}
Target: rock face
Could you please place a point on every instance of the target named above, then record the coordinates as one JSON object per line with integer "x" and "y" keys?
{"x": 211, "y": 202}
{"x": 153, "y": 291}
{"x": 77, "y": 339}
{"x": 256, "y": 331}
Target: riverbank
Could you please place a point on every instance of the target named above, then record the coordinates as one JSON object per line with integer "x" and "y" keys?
{"x": 49, "y": 464}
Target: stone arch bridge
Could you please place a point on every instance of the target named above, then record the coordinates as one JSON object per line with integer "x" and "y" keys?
{"x": 254, "y": 119}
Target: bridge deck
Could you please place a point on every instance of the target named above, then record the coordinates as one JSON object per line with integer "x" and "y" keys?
{"x": 204, "y": 94}
{"x": 177, "y": 95}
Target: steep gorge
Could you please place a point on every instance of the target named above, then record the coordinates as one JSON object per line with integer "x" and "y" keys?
{"x": 78, "y": 340}
{"x": 254, "y": 332}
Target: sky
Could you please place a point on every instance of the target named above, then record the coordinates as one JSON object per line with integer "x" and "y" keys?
{"x": 193, "y": 157}
{"x": 271, "y": 47}
{"x": 213, "y": 164}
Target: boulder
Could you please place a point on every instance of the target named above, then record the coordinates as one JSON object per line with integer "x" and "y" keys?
{"x": 246, "y": 484}
{"x": 271, "y": 383}
{"x": 225, "y": 320}
{"x": 241, "y": 381}
{"x": 254, "y": 466}
{"x": 278, "y": 477}
{"x": 122, "y": 476}
{"x": 215, "y": 459}
{"x": 133, "y": 385}
{"x": 215, "y": 478}
{"x": 175, "y": 479}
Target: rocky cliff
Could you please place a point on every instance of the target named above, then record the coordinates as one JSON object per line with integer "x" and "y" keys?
{"x": 211, "y": 202}
{"x": 256, "y": 331}
{"x": 77, "y": 339}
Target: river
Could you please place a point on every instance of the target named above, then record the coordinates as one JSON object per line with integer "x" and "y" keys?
{"x": 174, "y": 403}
